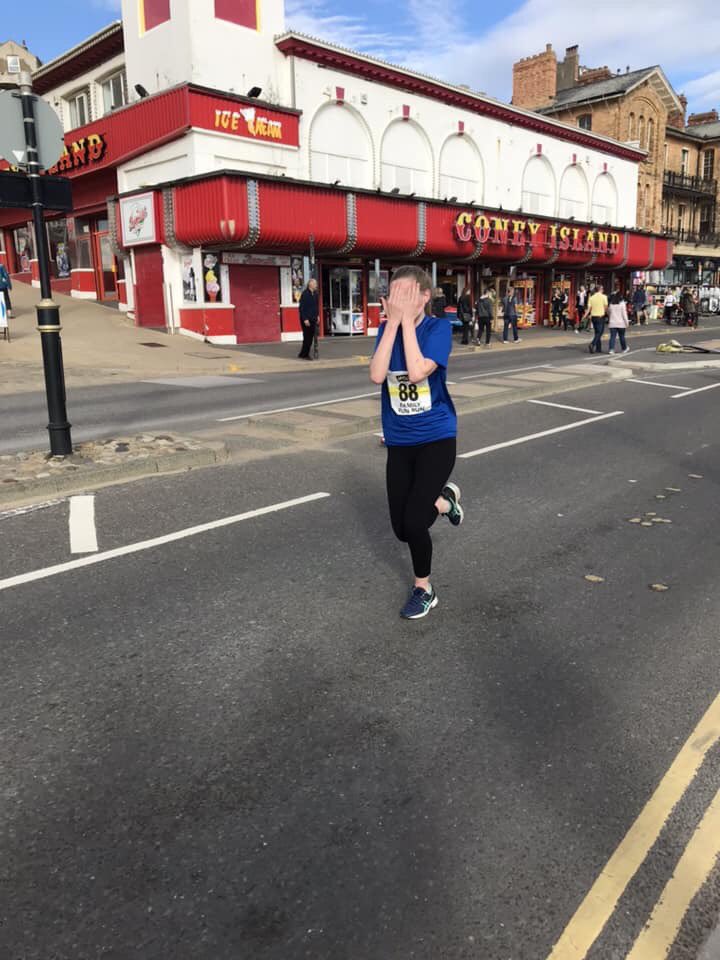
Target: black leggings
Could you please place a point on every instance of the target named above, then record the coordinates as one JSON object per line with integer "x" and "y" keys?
{"x": 415, "y": 478}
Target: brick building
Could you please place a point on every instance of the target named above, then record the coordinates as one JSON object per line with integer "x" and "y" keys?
{"x": 677, "y": 181}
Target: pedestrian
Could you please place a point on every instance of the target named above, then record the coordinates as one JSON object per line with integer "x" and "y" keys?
{"x": 581, "y": 299}
{"x": 597, "y": 311}
{"x": 485, "y": 310}
{"x": 309, "y": 312}
{"x": 640, "y": 304}
{"x": 439, "y": 302}
{"x": 564, "y": 311}
{"x": 465, "y": 314}
{"x": 510, "y": 317}
{"x": 687, "y": 305}
{"x": 618, "y": 321}
{"x": 6, "y": 287}
{"x": 555, "y": 308}
{"x": 419, "y": 424}
{"x": 669, "y": 304}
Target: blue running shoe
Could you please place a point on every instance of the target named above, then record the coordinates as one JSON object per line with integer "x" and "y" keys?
{"x": 451, "y": 492}
{"x": 419, "y": 604}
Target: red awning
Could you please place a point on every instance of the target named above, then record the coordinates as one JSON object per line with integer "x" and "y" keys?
{"x": 211, "y": 211}
{"x": 291, "y": 215}
{"x": 385, "y": 226}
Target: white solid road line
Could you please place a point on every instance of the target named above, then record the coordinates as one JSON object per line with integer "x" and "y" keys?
{"x": 537, "y": 436}
{"x": 564, "y": 406}
{"x": 141, "y": 545}
{"x": 687, "y": 393}
{"x": 300, "y": 406}
{"x": 653, "y": 383}
{"x": 83, "y": 535}
{"x": 500, "y": 373}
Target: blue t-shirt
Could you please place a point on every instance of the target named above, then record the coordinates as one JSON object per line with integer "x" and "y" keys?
{"x": 415, "y": 413}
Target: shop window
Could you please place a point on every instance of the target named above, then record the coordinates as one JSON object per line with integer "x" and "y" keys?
{"x": 114, "y": 92}
{"x": 585, "y": 121}
{"x": 79, "y": 109}
{"x": 708, "y": 164}
{"x": 24, "y": 248}
{"x": 378, "y": 285}
{"x": 59, "y": 250}
{"x": 79, "y": 243}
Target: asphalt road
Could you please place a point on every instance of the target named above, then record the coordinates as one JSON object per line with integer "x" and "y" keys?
{"x": 196, "y": 403}
{"x": 230, "y": 747}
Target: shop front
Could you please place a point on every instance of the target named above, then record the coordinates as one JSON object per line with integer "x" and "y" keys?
{"x": 247, "y": 289}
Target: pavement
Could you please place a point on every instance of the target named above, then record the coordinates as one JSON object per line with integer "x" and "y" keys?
{"x": 220, "y": 742}
{"x": 101, "y": 346}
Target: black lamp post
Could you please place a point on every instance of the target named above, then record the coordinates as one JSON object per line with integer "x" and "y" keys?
{"x": 48, "y": 312}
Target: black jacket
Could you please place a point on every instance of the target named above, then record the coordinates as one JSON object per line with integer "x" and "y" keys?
{"x": 308, "y": 306}
{"x": 464, "y": 309}
{"x": 485, "y": 308}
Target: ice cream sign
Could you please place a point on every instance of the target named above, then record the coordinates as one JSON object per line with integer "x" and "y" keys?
{"x": 249, "y": 122}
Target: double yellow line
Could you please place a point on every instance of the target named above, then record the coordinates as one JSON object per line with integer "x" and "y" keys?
{"x": 693, "y": 868}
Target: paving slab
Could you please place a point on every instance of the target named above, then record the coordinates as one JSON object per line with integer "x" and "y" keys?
{"x": 477, "y": 390}
{"x": 541, "y": 377}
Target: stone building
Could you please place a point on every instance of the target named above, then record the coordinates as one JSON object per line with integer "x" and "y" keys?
{"x": 13, "y": 58}
{"x": 677, "y": 181}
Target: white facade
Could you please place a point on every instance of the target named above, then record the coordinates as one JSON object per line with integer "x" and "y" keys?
{"x": 353, "y": 131}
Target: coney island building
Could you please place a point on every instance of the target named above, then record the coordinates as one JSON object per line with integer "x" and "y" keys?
{"x": 218, "y": 161}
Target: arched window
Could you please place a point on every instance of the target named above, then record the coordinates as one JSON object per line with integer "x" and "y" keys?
{"x": 406, "y": 161}
{"x": 573, "y": 194}
{"x": 340, "y": 147}
{"x": 604, "y": 200}
{"x": 641, "y": 130}
{"x": 461, "y": 170}
{"x": 648, "y": 207}
{"x": 651, "y": 135}
{"x": 538, "y": 187}
{"x": 631, "y": 127}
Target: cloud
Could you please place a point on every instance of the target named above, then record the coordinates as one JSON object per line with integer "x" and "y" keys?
{"x": 704, "y": 92}
{"x": 617, "y": 33}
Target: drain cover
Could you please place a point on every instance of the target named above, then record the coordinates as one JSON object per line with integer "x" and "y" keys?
{"x": 150, "y": 344}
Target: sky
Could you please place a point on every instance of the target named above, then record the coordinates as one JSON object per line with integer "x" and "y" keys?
{"x": 461, "y": 41}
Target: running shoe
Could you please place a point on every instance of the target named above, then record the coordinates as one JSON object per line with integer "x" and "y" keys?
{"x": 419, "y": 604}
{"x": 451, "y": 492}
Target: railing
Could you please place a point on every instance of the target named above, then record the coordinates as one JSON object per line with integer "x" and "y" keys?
{"x": 681, "y": 181}
{"x": 705, "y": 237}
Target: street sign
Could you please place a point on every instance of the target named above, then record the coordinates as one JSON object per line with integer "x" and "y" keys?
{"x": 48, "y": 130}
{"x": 15, "y": 191}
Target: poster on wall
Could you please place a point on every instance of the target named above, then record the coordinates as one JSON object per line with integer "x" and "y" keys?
{"x": 211, "y": 278}
{"x": 297, "y": 278}
{"x": 137, "y": 216}
{"x": 188, "y": 279}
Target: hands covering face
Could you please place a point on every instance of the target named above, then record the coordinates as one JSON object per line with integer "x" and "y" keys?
{"x": 405, "y": 303}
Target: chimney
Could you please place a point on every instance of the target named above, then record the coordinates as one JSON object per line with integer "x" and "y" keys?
{"x": 677, "y": 117}
{"x": 710, "y": 116}
{"x": 568, "y": 70}
{"x": 594, "y": 75}
{"x": 535, "y": 80}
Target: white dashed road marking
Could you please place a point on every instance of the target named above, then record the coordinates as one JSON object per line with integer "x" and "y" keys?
{"x": 83, "y": 535}
{"x": 142, "y": 545}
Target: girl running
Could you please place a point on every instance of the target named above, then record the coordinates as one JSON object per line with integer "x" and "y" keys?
{"x": 419, "y": 424}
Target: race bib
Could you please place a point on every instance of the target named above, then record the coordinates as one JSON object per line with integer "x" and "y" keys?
{"x": 408, "y": 399}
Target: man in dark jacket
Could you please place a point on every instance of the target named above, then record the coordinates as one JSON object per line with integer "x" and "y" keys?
{"x": 465, "y": 315}
{"x": 309, "y": 311}
{"x": 485, "y": 309}
{"x": 510, "y": 316}
{"x": 639, "y": 302}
